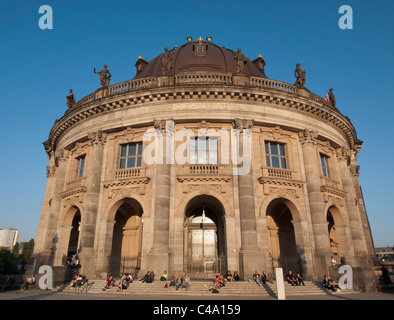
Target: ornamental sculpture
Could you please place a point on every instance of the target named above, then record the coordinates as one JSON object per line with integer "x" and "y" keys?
{"x": 70, "y": 99}
{"x": 166, "y": 62}
{"x": 240, "y": 61}
{"x": 300, "y": 75}
{"x": 105, "y": 76}
{"x": 332, "y": 98}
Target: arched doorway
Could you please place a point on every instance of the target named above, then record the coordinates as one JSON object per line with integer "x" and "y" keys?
{"x": 338, "y": 233}
{"x": 282, "y": 239}
{"x": 127, "y": 239}
{"x": 205, "y": 245}
{"x": 74, "y": 233}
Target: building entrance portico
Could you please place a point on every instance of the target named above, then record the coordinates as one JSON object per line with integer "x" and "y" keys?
{"x": 204, "y": 238}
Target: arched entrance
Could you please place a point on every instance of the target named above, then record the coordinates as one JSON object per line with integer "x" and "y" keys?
{"x": 127, "y": 239}
{"x": 205, "y": 245}
{"x": 74, "y": 234}
{"x": 337, "y": 231}
{"x": 282, "y": 239}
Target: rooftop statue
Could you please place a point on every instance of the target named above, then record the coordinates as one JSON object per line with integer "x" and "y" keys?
{"x": 240, "y": 61}
{"x": 105, "y": 76}
{"x": 332, "y": 98}
{"x": 300, "y": 75}
{"x": 70, "y": 99}
{"x": 166, "y": 62}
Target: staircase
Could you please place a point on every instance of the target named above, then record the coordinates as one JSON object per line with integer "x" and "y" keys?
{"x": 201, "y": 288}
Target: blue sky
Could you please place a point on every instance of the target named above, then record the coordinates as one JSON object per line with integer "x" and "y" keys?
{"x": 40, "y": 66}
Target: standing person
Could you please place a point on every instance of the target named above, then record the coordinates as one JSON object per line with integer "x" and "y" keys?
{"x": 264, "y": 277}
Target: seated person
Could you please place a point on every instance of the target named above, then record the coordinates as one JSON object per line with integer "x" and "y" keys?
{"x": 257, "y": 278}
{"x": 173, "y": 281}
{"x": 236, "y": 276}
{"x": 328, "y": 283}
{"x": 110, "y": 283}
{"x": 334, "y": 262}
{"x": 29, "y": 281}
{"x": 229, "y": 277}
{"x": 128, "y": 278}
{"x": 299, "y": 279}
{"x": 146, "y": 277}
{"x": 290, "y": 278}
{"x": 164, "y": 276}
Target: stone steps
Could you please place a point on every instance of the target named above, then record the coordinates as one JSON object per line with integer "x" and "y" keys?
{"x": 201, "y": 288}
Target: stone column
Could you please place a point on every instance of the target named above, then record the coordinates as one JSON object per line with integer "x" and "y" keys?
{"x": 250, "y": 254}
{"x": 88, "y": 224}
{"x": 158, "y": 258}
{"x": 45, "y": 209}
{"x": 316, "y": 204}
{"x": 363, "y": 263}
{"x": 49, "y": 247}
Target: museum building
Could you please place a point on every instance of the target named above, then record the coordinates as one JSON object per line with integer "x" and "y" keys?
{"x": 202, "y": 164}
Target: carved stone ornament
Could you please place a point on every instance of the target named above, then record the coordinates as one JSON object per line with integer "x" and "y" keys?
{"x": 354, "y": 170}
{"x": 105, "y": 76}
{"x": 342, "y": 153}
{"x": 164, "y": 126}
{"x": 240, "y": 61}
{"x": 70, "y": 99}
{"x": 51, "y": 170}
{"x": 166, "y": 62}
{"x": 300, "y": 75}
{"x": 307, "y": 137}
{"x": 62, "y": 155}
{"x": 98, "y": 138}
{"x": 242, "y": 124}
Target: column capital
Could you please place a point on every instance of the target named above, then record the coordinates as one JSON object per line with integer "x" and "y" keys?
{"x": 354, "y": 170}
{"x": 51, "y": 170}
{"x": 307, "y": 137}
{"x": 97, "y": 138}
{"x": 242, "y": 124}
{"x": 62, "y": 156}
{"x": 342, "y": 154}
{"x": 164, "y": 126}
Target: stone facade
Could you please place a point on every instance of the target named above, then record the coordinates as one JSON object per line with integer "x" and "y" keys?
{"x": 145, "y": 216}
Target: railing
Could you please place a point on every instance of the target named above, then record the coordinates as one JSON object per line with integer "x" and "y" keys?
{"x": 81, "y": 182}
{"x": 203, "y": 169}
{"x": 271, "y": 84}
{"x": 206, "y": 265}
{"x": 129, "y": 173}
{"x": 132, "y": 85}
{"x": 279, "y": 173}
{"x": 203, "y": 78}
{"x": 118, "y": 266}
{"x": 329, "y": 183}
{"x": 288, "y": 263}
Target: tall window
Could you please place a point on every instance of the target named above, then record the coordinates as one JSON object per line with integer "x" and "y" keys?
{"x": 80, "y": 167}
{"x": 203, "y": 150}
{"x": 324, "y": 165}
{"x": 131, "y": 155}
{"x": 275, "y": 155}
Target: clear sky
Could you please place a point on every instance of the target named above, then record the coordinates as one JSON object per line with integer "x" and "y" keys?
{"x": 40, "y": 66}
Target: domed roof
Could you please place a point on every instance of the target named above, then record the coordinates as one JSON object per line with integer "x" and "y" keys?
{"x": 200, "y": 56}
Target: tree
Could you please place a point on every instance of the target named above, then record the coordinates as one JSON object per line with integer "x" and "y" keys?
{"x": 7, "y": 262}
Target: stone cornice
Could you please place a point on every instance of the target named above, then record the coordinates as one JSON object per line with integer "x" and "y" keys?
{"x": 126, "y": 182}
{"x": 284, "y": 96}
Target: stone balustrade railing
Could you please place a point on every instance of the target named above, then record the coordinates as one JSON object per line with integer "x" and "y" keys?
{"x": 188, "y": 79}
{"x": 129, "y": 173}
{"x": 204, "y": 169}
{"x": 279, "y": 173}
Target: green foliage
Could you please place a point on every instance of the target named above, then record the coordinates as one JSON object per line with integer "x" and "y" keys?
{"x": 7, "y": 262}
{"x": 9, "y": 259}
